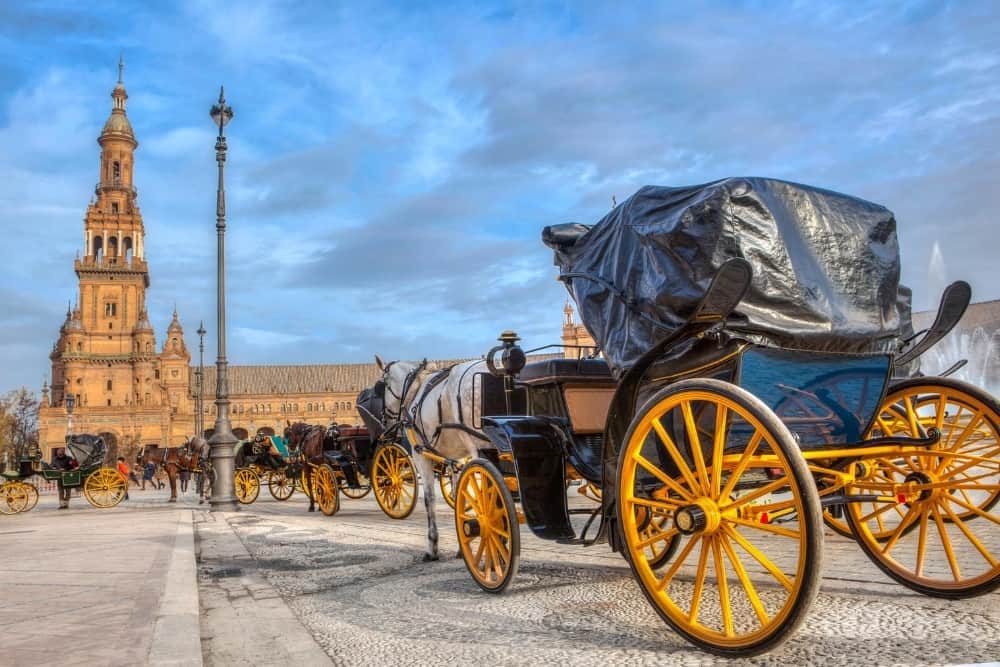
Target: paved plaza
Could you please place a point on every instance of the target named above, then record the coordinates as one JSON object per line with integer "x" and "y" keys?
{"x": 276, "y": 586}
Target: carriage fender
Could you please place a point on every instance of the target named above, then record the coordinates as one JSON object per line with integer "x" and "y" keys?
{"x": 537, "y": 445}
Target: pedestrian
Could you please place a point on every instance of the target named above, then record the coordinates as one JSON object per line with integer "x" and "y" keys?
{"x": 147, "y": 474}
{"x": 123, "y": 469}
{"x": 159, "y": 479}
{"x": 62, "y": 461}
{"x": 185, "y": 477}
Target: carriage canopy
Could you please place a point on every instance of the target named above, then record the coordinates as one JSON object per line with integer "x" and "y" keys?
{"x": 826, "y": 266}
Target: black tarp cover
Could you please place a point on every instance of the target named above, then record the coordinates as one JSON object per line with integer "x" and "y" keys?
{"x": 825, "y": 266}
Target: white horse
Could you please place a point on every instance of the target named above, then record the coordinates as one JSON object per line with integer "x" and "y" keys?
{"x": 443, "y": 417}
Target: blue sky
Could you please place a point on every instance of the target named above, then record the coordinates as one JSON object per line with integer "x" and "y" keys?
{"x": 391, "y": 165}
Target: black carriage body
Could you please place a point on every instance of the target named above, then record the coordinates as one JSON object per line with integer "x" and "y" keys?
{"x": 350, "y": 452}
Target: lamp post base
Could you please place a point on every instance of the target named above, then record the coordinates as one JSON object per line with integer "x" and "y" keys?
{"x": 223, "y": 499}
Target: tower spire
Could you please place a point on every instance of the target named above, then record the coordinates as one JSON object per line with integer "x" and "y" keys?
{"x": 121, "y": 67}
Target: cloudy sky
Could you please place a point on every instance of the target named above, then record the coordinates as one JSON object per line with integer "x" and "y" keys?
{"x": 391, "y": 165}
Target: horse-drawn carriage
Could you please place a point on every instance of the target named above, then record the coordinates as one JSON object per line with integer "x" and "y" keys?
{"x": 757, "y": 372}
{"x": 266, "y": 457}
{"x": 334, "y": 460}
{"x": 79, "y": 465}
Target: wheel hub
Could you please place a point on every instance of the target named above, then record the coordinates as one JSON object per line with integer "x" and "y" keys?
{"x": 916, "y": 479}
{"x": 471, "y": 528}
{"x": 701, "y": 517}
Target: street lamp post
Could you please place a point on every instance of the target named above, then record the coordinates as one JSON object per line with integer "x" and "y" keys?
{"x": 70, "y": 402}
{"x": 222, "y": 440}
{"x": 199, "y": 420}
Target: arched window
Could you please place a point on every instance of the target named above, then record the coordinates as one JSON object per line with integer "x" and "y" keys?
{"x": 79, "y": 347}
{"x": 98, "y": 248}
{"x": 127, "y": 244}
{"x": 149, "y": 348}
{"x": 309, "y": 407}
{"x": 116, "y": 170}
{"x": 109, "y": 385}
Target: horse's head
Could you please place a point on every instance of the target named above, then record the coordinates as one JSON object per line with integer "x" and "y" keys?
{"x": 294, "y": 433}
{"x": 399, "y": 384}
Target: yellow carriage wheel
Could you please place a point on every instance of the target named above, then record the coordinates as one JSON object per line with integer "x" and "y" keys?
{"x": 280, "y": 485}
{"x": 32, "y": 492}
{"x": 13, "y": 498}
{"x": 364, "y": 487}
{"x": 246, "y": 485}
{"x": 943, "y": 537}
{"x": 394, "y": 480}
{"x": 488, "y": 533}
{"x": 721, "y": 479}
{"x": 447, "y": 488}
{"x": 324, "y": 485}
{"x": 105, "y": 487}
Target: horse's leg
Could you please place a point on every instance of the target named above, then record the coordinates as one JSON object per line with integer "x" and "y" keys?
{"x": 426, "y": 470}
{"x": 172, "y": 478}
{"x": 307, "y": 468}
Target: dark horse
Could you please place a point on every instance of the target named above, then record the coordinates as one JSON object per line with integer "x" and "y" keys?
{"x": 308, "y": 440}
{"x": 174, "y": 459}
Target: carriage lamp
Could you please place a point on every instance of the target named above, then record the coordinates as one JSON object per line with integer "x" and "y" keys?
{"x": 510, "y": 357}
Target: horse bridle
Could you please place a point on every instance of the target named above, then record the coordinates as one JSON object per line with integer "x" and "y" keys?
{"x": 398, "y": 417}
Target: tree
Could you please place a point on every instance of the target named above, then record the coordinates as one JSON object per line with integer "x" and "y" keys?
{"x": 19, "y": 422}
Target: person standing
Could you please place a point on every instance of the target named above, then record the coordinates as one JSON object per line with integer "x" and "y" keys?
{"x": 62, "y": 461}
{"x": 185, "y": 476}
{"x": 147, "y": 474}
{"x": 123, "y": 469}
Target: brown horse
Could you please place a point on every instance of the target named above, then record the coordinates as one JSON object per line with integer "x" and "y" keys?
{"x": 306, "y": 440}
{"x": 174, "y": 460}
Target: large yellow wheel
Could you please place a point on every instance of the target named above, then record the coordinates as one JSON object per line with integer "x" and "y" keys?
{"x": 488, "y": 534}
{"x": 710, "y": 470}
{"x": 394, "y": 480}
{"x": 14, "y": 497}
{"x": 940, "y": 537}
{"x": 105, "y": 487}
{"x": 246, "y": 484}
{"x": 280, "y": 485}
{"x": 364, "y": 487}
{"x": 324, "y": 485}
{"x": 447, "y": 488}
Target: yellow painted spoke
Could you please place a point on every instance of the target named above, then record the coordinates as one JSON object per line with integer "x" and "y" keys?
{"x": 759, "y": 557}
{"x": 946, "y": 543}
{"x": 658, "y": 536}
{"x": 908, "y": 518}
{"x": 970, "y": 536}
{"x": 911, "y": 415}
{"x": 699, "y": 581}
{"x": 768, "y": 527}
{"x": 744, "y": 579}
{"x": 666, "y": 506}
{"x": 685, "y": 552}
{"x": 922, "y": 542}
{"x": 877, "y": 513}
{"x": 718, "y": 447}
{"x": 694, "y": 442}
{"x": 662, "y": 476}
{"x": 720, "y": 573}
{"x": 970, "y": 427}
{"x": 758, "y": 493}
{"x": 675, "y": 454}
{"x": 975, "y": 509}
{"x": 742, "y": 464}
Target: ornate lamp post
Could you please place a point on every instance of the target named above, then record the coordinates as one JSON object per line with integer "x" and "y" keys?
{"x": 222, "y": 439}
{"x": 70, "y": 402}
{"x": 199, "y": 420}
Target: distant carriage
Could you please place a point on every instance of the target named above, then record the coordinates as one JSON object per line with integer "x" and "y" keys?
{"x": 336, "y": 460}
{"x": 83, "y": 467}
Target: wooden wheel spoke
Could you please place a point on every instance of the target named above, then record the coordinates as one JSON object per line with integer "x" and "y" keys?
{"x": 768, "y": 528}
{"x": 975, "y": 509}
{"x": 675, "y": 454}
{"x": 946, "y": 543}
{"x": 723, "y": 581}
{"x": 969, "y": 535}
{"x": 757, "y": 493}
{"x": 908, "y": 518}
{"x": 657, "y": 536}
{"x": 877, "y": 514}
{"x": 694, "y": 444}
{"x": 756, "y": 554}
{"x": 744, "y": 579}
{"x": 662, "y": 476}
{"x": 685, "y": 552}
{"x": 742, "y": 464}
{"x": 699, "y": 581}
{"x": 666, "y": 506}
{"x": 718, "y": 447}
{"x": 922, "y": 543}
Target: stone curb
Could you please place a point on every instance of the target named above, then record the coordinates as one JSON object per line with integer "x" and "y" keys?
{"x": 177, "y": 633}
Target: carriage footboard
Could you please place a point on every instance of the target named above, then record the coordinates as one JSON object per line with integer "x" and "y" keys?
{"x": 537, "y": 445}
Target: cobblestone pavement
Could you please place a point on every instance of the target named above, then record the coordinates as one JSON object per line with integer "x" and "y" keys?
{"x": 356, "y": 583}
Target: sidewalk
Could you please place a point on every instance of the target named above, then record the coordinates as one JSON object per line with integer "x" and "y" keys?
{"x": 89, "y": 586}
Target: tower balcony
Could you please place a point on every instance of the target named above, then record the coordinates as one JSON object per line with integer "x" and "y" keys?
{"x": 116, "y": 185}
{"x": 120, "y": 263}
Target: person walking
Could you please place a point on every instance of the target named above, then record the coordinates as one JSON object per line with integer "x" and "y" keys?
{"x": 63, "y": 461}
{"x": 185, "y": 476}
{"x": 147, "y": 474}
{"x": 123, "y": 469}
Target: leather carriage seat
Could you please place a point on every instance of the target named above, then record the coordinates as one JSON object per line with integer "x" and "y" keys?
{"x": 565, "y": 370}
